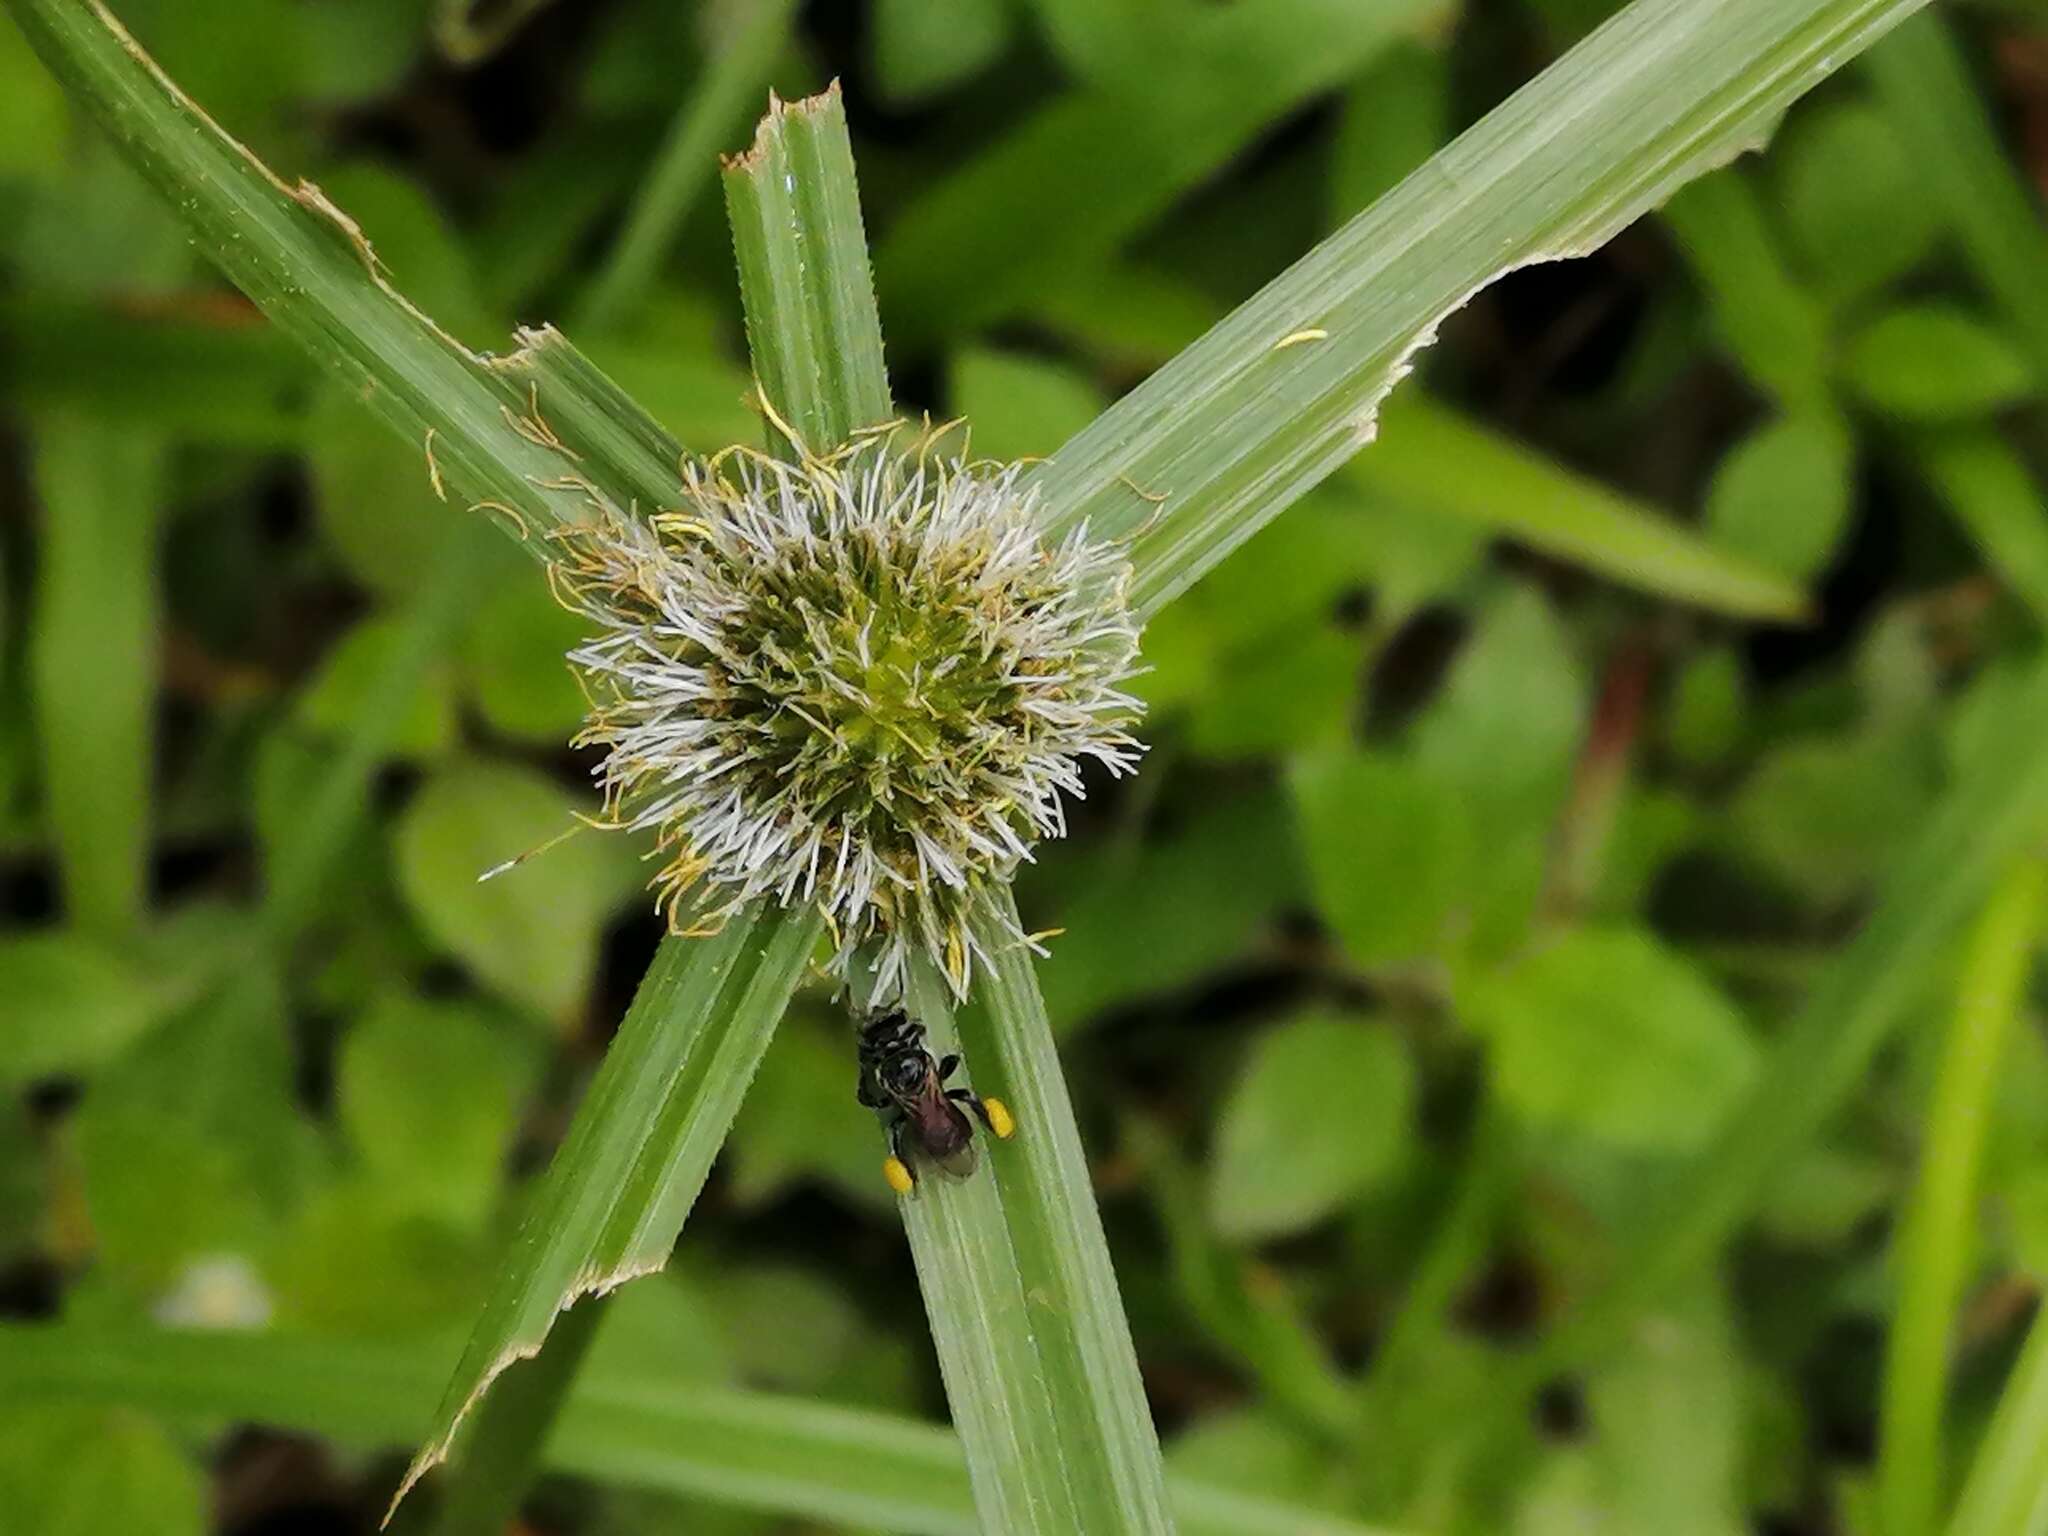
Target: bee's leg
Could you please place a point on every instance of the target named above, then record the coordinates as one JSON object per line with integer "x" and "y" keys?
{"x": 993, "y": 1113}
{"x": 866, "y": 1092}
{"x": 896, "y": 1167}
{"x": 948, "y": 1065}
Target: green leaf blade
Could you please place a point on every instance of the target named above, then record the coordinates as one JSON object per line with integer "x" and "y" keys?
{"x": 1435, "y": 459}
{"x": 1003, "y": 1403}
{"x": 2008, "y": 1486}
{"x": 1053, "y": 1421}
{"x": 1608, "y": 1035}
{"x": 1933, "y": 362}
{"x": 1935, "y": 1240}
{"x": 94, "y": 660}
{"x": 753, "y": 1450}
{"x": 1318, "y": 1117}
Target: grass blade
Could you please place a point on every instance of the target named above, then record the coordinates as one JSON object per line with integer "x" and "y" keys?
{"x": 1777, "y": 330}
{"x": 796, "y": 231}
{"x": 737, "y": 69}
{"x": 1262, "y": 1327}
{"x": 618, "y": 1191}
{"x": 1435, "y": 459}
{"x": 1936, "y": 1244}
{"x": 1024, "y": 1308}
{"x": 1289, "y": 386}
{"x": 708, "y": 1007}
{"x": 2007, "y": 1494}
{"x": 1925, "y": 85}
{"x": 1998, "y": 807}
{"x": 94, "y": 649}
{"x": 755, "y": 1450}
{"x": 816, "y": 343}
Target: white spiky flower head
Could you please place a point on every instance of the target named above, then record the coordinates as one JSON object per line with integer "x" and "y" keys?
{"x": 865, "y": 682}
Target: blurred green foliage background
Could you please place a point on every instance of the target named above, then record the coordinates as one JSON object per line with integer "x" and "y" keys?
{"x": 1457, "y": 903}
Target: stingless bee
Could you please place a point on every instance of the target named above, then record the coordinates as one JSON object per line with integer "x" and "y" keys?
{"x": 923, "y": 1117}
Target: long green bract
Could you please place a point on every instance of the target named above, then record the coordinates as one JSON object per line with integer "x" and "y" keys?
{"x": 1192, "y": 462}
{"x": 619, "y": 1189}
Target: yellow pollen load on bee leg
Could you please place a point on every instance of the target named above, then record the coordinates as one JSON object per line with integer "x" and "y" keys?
{"x": 897, "y": 1172}
{"x": 999, "y": 1119}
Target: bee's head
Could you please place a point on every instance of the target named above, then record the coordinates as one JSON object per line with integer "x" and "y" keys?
{"x": 904, "y": 1074}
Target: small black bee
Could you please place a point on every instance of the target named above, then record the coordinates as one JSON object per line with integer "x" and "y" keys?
{"x": 899, "y": 1077}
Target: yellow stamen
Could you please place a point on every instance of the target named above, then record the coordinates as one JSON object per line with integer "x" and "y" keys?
{"x": 898, "y": 1175}
{"x": 999, "y": 1119}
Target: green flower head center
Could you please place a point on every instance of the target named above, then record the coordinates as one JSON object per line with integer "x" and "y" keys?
{"x": 876, "y": 687}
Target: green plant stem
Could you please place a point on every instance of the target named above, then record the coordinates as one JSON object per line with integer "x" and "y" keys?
{"x": 1460, "y": 1241}
{"x": 1937, "y": 1241}
{"x": 737, "y": 68}
{"x": 2007, "y": 1491}
{"x": 617, "y": 1193}
{"x": 1287, "y": 388}
{"x": 1259, "y": 1325}
{"x": 94, "y": 651}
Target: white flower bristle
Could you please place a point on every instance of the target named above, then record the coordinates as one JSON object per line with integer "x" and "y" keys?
{"x": 863, "y": 682}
